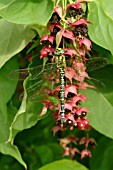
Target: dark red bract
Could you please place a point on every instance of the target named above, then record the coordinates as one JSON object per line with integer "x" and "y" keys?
{"x": 74, "y": 5}
{"x": 45, "y": 51}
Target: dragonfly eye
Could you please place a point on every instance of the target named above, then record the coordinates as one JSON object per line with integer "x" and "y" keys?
{"x": 61, "y": 51}
{"x": 58, "y": 52}
{"x": 55, "y": 53}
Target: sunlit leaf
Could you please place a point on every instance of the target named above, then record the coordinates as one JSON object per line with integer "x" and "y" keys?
{"x": 64, "y": 165}
{"x": 4, "y": 4}
{"x": 28, "y": 12}
{"x": 101, "y": 16}
{"x": 13, "y": 38}
{"x": 7, "y": 113}
{"x": 28, "y": 113}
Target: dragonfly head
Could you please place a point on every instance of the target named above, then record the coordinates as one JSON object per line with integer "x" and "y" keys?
{"x": 58, "y": 51}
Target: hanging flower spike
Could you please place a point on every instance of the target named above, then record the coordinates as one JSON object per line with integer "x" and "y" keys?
{"x": 45, "y": 51}
{"x": 85, "y": 153}
{"x": 65, "y": 33}
{"x": 47, "y": 38}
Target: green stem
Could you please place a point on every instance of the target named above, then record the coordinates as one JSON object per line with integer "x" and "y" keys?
{"x": 63, "y": 4}
{"x": 57, "y": 2}
{"x": 70, "y": 1}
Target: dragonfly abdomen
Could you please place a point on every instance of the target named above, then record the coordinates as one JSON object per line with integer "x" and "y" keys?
{"x": 62, "y": 95}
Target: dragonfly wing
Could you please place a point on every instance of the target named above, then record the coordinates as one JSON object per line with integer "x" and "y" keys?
{"x": 96, "y": 63}
{"x": 22, "y": 74}
{"x": 36, "y": 91}
{"x": 95, "y": 82}
{"x": 33, "y": 72}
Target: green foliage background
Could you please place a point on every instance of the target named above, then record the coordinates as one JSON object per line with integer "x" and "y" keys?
{"x": 36, "y": 146}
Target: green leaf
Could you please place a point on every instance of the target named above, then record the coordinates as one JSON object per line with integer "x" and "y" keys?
{"x": 28, "y": 12}
{"x": 108, "y": 6}
{"x": 4, "y": 4}
{"x": 18, "y": 36}
{"x": 35, "y": 44}
{"x": 29, "y": 111}
{"x": 64, "y": 164}
{"x": 101, "y": 16}
{"x": 7, "y": 89}
{"x": 100, "y": 102}
{"x": 26, "y": 117}
{"x": 102, "y": 155}
{"x": 7, "y": 162}
{"x": 44, "y": 158}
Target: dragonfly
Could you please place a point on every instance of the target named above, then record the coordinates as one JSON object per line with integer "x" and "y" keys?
{"x": 41, "y": 77}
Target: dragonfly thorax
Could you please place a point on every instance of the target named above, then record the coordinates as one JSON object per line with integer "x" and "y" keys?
{"x": 58, "y": 52}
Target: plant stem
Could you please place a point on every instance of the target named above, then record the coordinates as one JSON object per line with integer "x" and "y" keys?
{"x": 57, "y": 2}
{"x": 70, "y": 1}
{"x": 65, "y": 1}
{"x": 63, "y": 4}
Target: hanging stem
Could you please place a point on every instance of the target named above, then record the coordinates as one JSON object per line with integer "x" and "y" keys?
{"x": 63, "y": 4}
{"x": 57, "y": 2}
{"x": 70, "y": 1}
